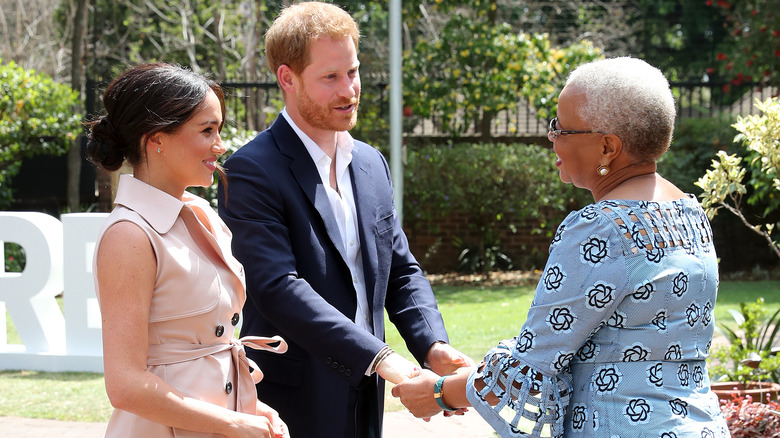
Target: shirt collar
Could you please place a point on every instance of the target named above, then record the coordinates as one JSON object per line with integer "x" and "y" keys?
{"x": 157, "y": 208}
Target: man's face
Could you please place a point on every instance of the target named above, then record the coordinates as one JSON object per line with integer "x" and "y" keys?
{"x": 329, "y": 89}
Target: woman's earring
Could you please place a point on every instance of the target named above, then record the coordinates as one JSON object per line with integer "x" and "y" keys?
{"x": 158, "y": 150}
{"x": 603, "y": 170}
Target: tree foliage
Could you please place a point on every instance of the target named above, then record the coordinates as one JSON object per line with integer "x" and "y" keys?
{"x": 36, "y": 118}
{"x": 470, "y": 68}
{"x": 723, "y": 183}
{"x": 751, "y": 52}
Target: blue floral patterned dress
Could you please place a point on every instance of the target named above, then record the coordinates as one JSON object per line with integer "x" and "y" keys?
{"x": 618, "y": 333}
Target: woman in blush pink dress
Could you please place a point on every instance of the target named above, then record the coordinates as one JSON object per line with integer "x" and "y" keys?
{"x": 170, "y": 290}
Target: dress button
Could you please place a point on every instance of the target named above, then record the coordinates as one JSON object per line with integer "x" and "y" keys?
{"x": 234, "y": 319}
{"x": 334, "y": 365}
{"x": 342, "y": 368}
{"x": 348, "y": 372}
{"x": 329, "y": 360}
{"x": 219, "y": 331}
{"x": 229, "y": 388}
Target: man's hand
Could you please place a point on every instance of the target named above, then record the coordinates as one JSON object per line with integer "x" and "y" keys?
{"x": 395, "y": 368}
{"x": 443, "y": 359}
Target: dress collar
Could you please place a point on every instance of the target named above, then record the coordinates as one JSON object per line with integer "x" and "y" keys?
{"x": 158, "y": 208}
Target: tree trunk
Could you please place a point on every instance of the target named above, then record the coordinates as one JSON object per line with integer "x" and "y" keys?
{"x": 218, "y": 14}
{"x": 76, "y": 62}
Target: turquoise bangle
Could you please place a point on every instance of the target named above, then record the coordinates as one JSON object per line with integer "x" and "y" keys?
{"x": 437, "y": 395}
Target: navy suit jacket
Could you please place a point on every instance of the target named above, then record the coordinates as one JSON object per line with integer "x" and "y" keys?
{"x": 299, "y": 286}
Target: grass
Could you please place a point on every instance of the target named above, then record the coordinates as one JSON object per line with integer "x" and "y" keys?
{"x": 476, "y": 318}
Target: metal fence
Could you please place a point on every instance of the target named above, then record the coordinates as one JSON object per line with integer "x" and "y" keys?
{"x": 254, "y": 105}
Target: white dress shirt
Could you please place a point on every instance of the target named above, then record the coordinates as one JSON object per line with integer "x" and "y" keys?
{"x": 343, "y": 204}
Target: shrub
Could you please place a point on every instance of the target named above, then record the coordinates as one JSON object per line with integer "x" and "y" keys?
{"x": 694, "y": 145}
{"x": 723, "y": 183}
{"x": 749, "y": 355}
{"x": 498, "y": 187}
{"x": 36, "y": 117}
{"x": 746, "y": 419}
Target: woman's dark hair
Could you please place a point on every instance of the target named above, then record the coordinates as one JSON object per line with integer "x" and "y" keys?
{"x": 144, "y": 100}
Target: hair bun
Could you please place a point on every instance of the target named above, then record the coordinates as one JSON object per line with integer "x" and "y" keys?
{"x": 103, "y": 146}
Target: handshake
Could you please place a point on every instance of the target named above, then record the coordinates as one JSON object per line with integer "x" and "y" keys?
{"x": 421, "y": 391}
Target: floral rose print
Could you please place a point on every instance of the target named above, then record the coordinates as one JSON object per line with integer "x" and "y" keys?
{"x": 600, "y": 296}
{"x": 655, "y": 375}
{"x": 579, "y": 416}
{"x": 562, "y": 359}
{"x": 679, "y": 407}
{"x": 692, "y": 313}
{"x": 617, "y": 320}
{"x": 635, "y": 353}
{"x": 660, "y": 320}
{"x": 558, "y": 235}
{"x": 638, "y": 410}
{"x": 684, "y": 375}
{"x": 698, "y": 376}
{"x": 589, "y": 213}
{"x": 607, "y": 379}
{"x": 680, "y": 285}
{"x": 588, "y": 351}
{"x": 643, "y": 292}
{"x": 706, "y": 314}
{"x": 553, "y": 278}
{"x": 636, "y": 236}
{"x": 593, "y": 250}
{"x": 674, "y": 352}
{"x": 525, "y": 341}
{"x": 561, "y": 319}
{"x": 654, "y": 255}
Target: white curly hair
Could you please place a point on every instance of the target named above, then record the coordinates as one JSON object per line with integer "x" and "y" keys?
{"x": 629, "y": 98}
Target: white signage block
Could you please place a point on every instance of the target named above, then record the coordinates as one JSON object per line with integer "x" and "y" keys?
{"x": 58, "y": 260}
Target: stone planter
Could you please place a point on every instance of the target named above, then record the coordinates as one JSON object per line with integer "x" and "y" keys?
{"x": 760, "y": 392}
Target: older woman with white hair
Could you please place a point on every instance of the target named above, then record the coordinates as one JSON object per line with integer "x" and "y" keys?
{"x": 616, "y": 340}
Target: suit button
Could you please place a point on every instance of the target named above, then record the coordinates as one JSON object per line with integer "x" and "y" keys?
{"x": 342, "y": 368}
{"x": 229, "y": 388}
{"x": 234, "y": 319}
{"x": 348, "y": 372}
{"x": 219, "y": 331}
{"x": 335, "y": 365}
{"x": 329, "y": 360}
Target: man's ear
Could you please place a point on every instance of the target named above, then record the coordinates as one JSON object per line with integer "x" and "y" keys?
{"x": 612, "y": 147}
{"x": 286, "y": 78}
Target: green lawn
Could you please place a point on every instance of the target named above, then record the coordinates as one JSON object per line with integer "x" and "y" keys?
{"x": 476, "y": 317}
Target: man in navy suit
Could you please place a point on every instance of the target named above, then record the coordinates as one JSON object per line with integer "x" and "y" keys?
{"x": 314, "y": 224}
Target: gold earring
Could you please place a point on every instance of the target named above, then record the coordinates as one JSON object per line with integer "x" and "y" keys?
{"x": 603, "y": 170}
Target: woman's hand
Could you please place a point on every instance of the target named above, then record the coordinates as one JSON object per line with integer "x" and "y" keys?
{"x": 417, "y": 394}
{"x": 395, "y": 368}
{"x": 279, "y": 428}
{"x": 266, "y": 424}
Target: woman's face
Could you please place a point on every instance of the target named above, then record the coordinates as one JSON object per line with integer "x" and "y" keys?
{"x": 190, "y": 153}
{"x": 578, "y": 154}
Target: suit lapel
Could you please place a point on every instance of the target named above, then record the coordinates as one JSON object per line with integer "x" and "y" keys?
{"x": 305, "y": 173}
{"x": 366, "y": 206}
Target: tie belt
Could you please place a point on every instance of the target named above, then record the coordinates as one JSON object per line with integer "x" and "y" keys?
{"x": 166, "y": 354}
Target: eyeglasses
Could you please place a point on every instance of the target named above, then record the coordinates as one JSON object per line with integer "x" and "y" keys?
{"x": 553, "y": 133}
